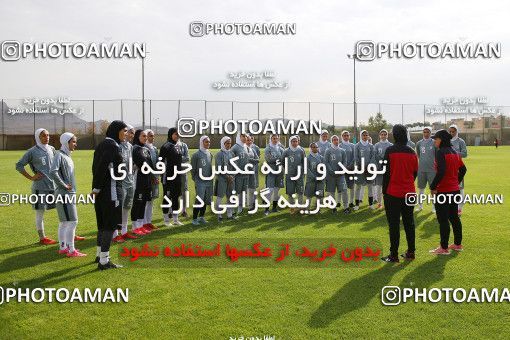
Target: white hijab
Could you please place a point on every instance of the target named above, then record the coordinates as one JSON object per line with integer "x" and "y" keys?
{"x": 333, "y": 145}
{"x": 342, "y": 139}
{"x": 45, "y": 147}
{"x": 314, "y": 154}
{"x": 64, "y": 141}
{"x": 290, "y": 143}
{"x": 364, "y": 143}
{"x": 239, "y": 142}
{"x": 320, "y": 139}
{"x": 456, "y": 131}
{"x": 222, "y": 143}
{"x": 204, "y": 150}
{"x": 430, "y": 130}
{"x": 271, "y": 145}
{"x": 384, "y": 141}
{"x": 149, "y": 145}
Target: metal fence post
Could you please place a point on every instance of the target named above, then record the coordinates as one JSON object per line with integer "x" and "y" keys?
{"x": 333, "y": 117}
{"x": 63, "y": 118}
{"x": 93, "y": 124}
{"x": 309, "y": 120}
{"x": 34, "y": 118}
{"x": 178, "y": 110}
{"x": 3, "y": 127}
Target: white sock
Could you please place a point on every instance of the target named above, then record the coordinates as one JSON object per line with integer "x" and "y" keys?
{"x": 140, "y": 222}
{"x": 148, "y": 212}
{"x": 175, "y": 217}
{"x": 375, "y": 193}
{"x": 115, "y": 233}
{"x": 98, "y": 251}
{"x": 39, "y": 222}
{"x": 125, "y": 214}
{"x": 166, "y": 218}
{"x": 103, "y": 257}
{"x": 62, "y": 235}
{"x": 241, "y": 203}
{"x": 217, "y": 204}
{"x": 345, "y": 199}
{"x": 351, "y": 195}
{"x": 276, "y": 194}
{"x": 70, "y": 233}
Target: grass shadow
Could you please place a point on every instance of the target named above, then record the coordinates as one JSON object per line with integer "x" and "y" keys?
{"x": 354, "y": 295}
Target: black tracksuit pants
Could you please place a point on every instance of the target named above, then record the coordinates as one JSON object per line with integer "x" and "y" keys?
{"x": 396, "y": 207}
{"x": 447, "y": 213}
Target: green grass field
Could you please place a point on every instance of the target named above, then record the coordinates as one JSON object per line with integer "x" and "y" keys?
{"x": 297, "y": 303}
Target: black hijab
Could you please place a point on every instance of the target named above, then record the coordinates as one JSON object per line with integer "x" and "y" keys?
{"x": 171, "y": 131}
{"x": 399, "y": 132}
{"x": 114, "y": 129}
{"x": 136, "y": 138}
{"x": 446, "y": 138}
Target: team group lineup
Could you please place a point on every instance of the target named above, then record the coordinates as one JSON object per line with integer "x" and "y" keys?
{"x": 434, "y": 160}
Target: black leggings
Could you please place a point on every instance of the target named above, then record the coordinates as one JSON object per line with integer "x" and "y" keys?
{"x": 173, "y": 194}
{"x": 448, "y": 213}
{"x": 104, "y": 239}
{"x": 396, "y": 207}
{"x": 138, "y": 209}
{"x": 199, "y": 212}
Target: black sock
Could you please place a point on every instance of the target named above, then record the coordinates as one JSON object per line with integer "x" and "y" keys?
{"x": 195, "y": 213}
{"x": 106, "y": 240}
{"x": 202, "y": 211}
{"x": 275, "y": 204}
{"x": 370, "y": 200}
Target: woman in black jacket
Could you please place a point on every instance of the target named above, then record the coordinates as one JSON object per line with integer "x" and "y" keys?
{"x": 450, "y": 172}
{"x": 172, "y": 157}
{"x": 107, "y": 191}
{"x": 143, "y": 186}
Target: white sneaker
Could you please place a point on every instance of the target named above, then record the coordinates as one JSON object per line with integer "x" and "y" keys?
{"x": 356, "y": 207}
{"x": 177, "y": 223}
{"x": 373, "y": 206}
{"x": 168, "y": 223}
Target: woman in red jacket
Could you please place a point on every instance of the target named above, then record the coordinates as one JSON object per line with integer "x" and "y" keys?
{"x": 450, "y": 171}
